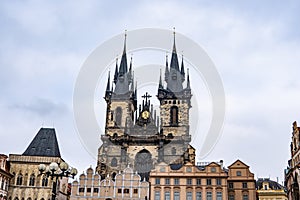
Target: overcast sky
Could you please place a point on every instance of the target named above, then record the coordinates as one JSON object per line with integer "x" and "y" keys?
{"x": 255, "y": 46}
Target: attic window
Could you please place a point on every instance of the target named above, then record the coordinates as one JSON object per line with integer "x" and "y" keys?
{"x": 213, "y": 169}
{"x": 238, "y": 173}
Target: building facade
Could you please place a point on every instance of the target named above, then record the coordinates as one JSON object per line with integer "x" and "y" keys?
{"x": 204, "y": 181}
{"x": 190, "y": 182}
{"x": 292, "y": 178}
{"x": 27, "y": 182}
{"x": 134, "y": 134}
{"x": 5, "y": 177}
{"x": 269, "y": 190}
{"x": 125, "y": 185}
{"x": 241, "y": 182}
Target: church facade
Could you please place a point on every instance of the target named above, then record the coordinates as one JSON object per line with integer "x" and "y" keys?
{"x": 135, "y": 135}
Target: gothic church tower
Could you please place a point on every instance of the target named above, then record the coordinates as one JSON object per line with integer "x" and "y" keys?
{"x": 134, "y": 135}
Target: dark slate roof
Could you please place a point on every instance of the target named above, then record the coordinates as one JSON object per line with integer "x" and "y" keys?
{"x": 272, "y": 184}
{"x": 176, "y": 166}
{"x": 44, "y": 144}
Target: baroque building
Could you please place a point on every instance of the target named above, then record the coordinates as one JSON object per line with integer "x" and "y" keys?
{"x": 241, "y": 182}
{"x": 292, "y": 173}
{"x": 27, "y": 182}
{"x": 268, "y": 189}
{"x": 204, "y": 181}
{"x": 5, "y": 177}
{"x": 125, "y": 185}
{"x": 134, "y": 134}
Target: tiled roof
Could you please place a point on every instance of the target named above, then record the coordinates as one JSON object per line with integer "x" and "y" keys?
{"x": 44, "y": 144}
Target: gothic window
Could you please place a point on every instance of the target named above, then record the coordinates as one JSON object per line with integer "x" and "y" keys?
{"x": 115, "y": 135}
{"x": 45, "y": 181}
{"x": 114, "y": 162}
{"x": 119, "y": 116}
{"x": 19, "y": 179}
{"x": 31, "y": 180}
{"x": 143, "y": 163}
{"x": 174, "y": 116}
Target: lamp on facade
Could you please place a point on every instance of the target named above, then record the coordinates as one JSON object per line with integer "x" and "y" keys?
{"x": 55, "y": 170}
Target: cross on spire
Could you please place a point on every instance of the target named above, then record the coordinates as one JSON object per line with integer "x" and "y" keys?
{"x": 146, "y": 96}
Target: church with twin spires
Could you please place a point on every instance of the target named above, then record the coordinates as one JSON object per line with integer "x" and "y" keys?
{"x": 135, "y": 135}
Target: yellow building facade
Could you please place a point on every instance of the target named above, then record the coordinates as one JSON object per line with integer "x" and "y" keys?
{"x": 270, "y": 190}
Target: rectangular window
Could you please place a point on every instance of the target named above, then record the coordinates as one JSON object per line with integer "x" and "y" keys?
{"x": 119, "y": 190}
{"x": 231, "y": 197}
{"x": 176, "y": 181}
{"x": 157, "y": 181}
{"x": 189, "y": 181}
{"x": 198, "y": 196}
{"x": 230, "y": 185}
{"x": 208, "y": 181}
{"x": 245, "y": 197}
{"x": 219, "y": 195}
{"x": 176, "y": 196}
{"x": 96, "y": 190}
{"x": 167, "y": 181}
{"x": 219, "y": 181}
{"x": 245, "y": 185}
{"x": 198, "y": 181}
{"x": 81, "y": 189}
{"x": 126, "y": 191}
{"x": 189, "y": 196}
{"x": 88, "y": 190}
{"x": 238, "y": 173}
{"x": 135, "y": 191}
{"x": 157, "y": 195}
{"x": 208, "y": 196}
{"x": 167, "y": 196}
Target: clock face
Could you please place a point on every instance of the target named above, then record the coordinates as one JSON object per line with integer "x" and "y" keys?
{"x": 145, "y": 115}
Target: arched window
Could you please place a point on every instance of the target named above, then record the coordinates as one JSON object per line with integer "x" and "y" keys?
{"x": 143, "y": 163}
{"x": 174, "y": 116}
{"x": 114, "y": 162}
{"x": 115, "y": 135}
{"x": 45, "y": 181}
{"x": 119, "y": 116}
{"x": 19, "y": 179}
{"x": 31, "y": 180}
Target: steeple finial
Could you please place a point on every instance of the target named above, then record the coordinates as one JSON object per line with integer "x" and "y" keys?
{"x": 182, "y": 70}
{"x": 174, "y": 34}
{"x": 125, "y": 37}
{"x": 123, "y": 65}
{"x": 160, "y": 86}
{"x": 116, "y": 72}
{"x": 174, "y": 60}
{"x": 167, "y": 69}
{"x": 188, "y": 86}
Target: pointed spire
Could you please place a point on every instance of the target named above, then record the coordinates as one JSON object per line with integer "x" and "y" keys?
{"x": 116, "y": 72}
{"x": 123, "y": 65}
{"x": 188, "y": 86}
{"x": 160, "y": 86}
{"x": 182, "y": 70}
{"x": 167, "y": 72}
{"x": 130, "y": 75}
{"x": 174, "y": 59}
